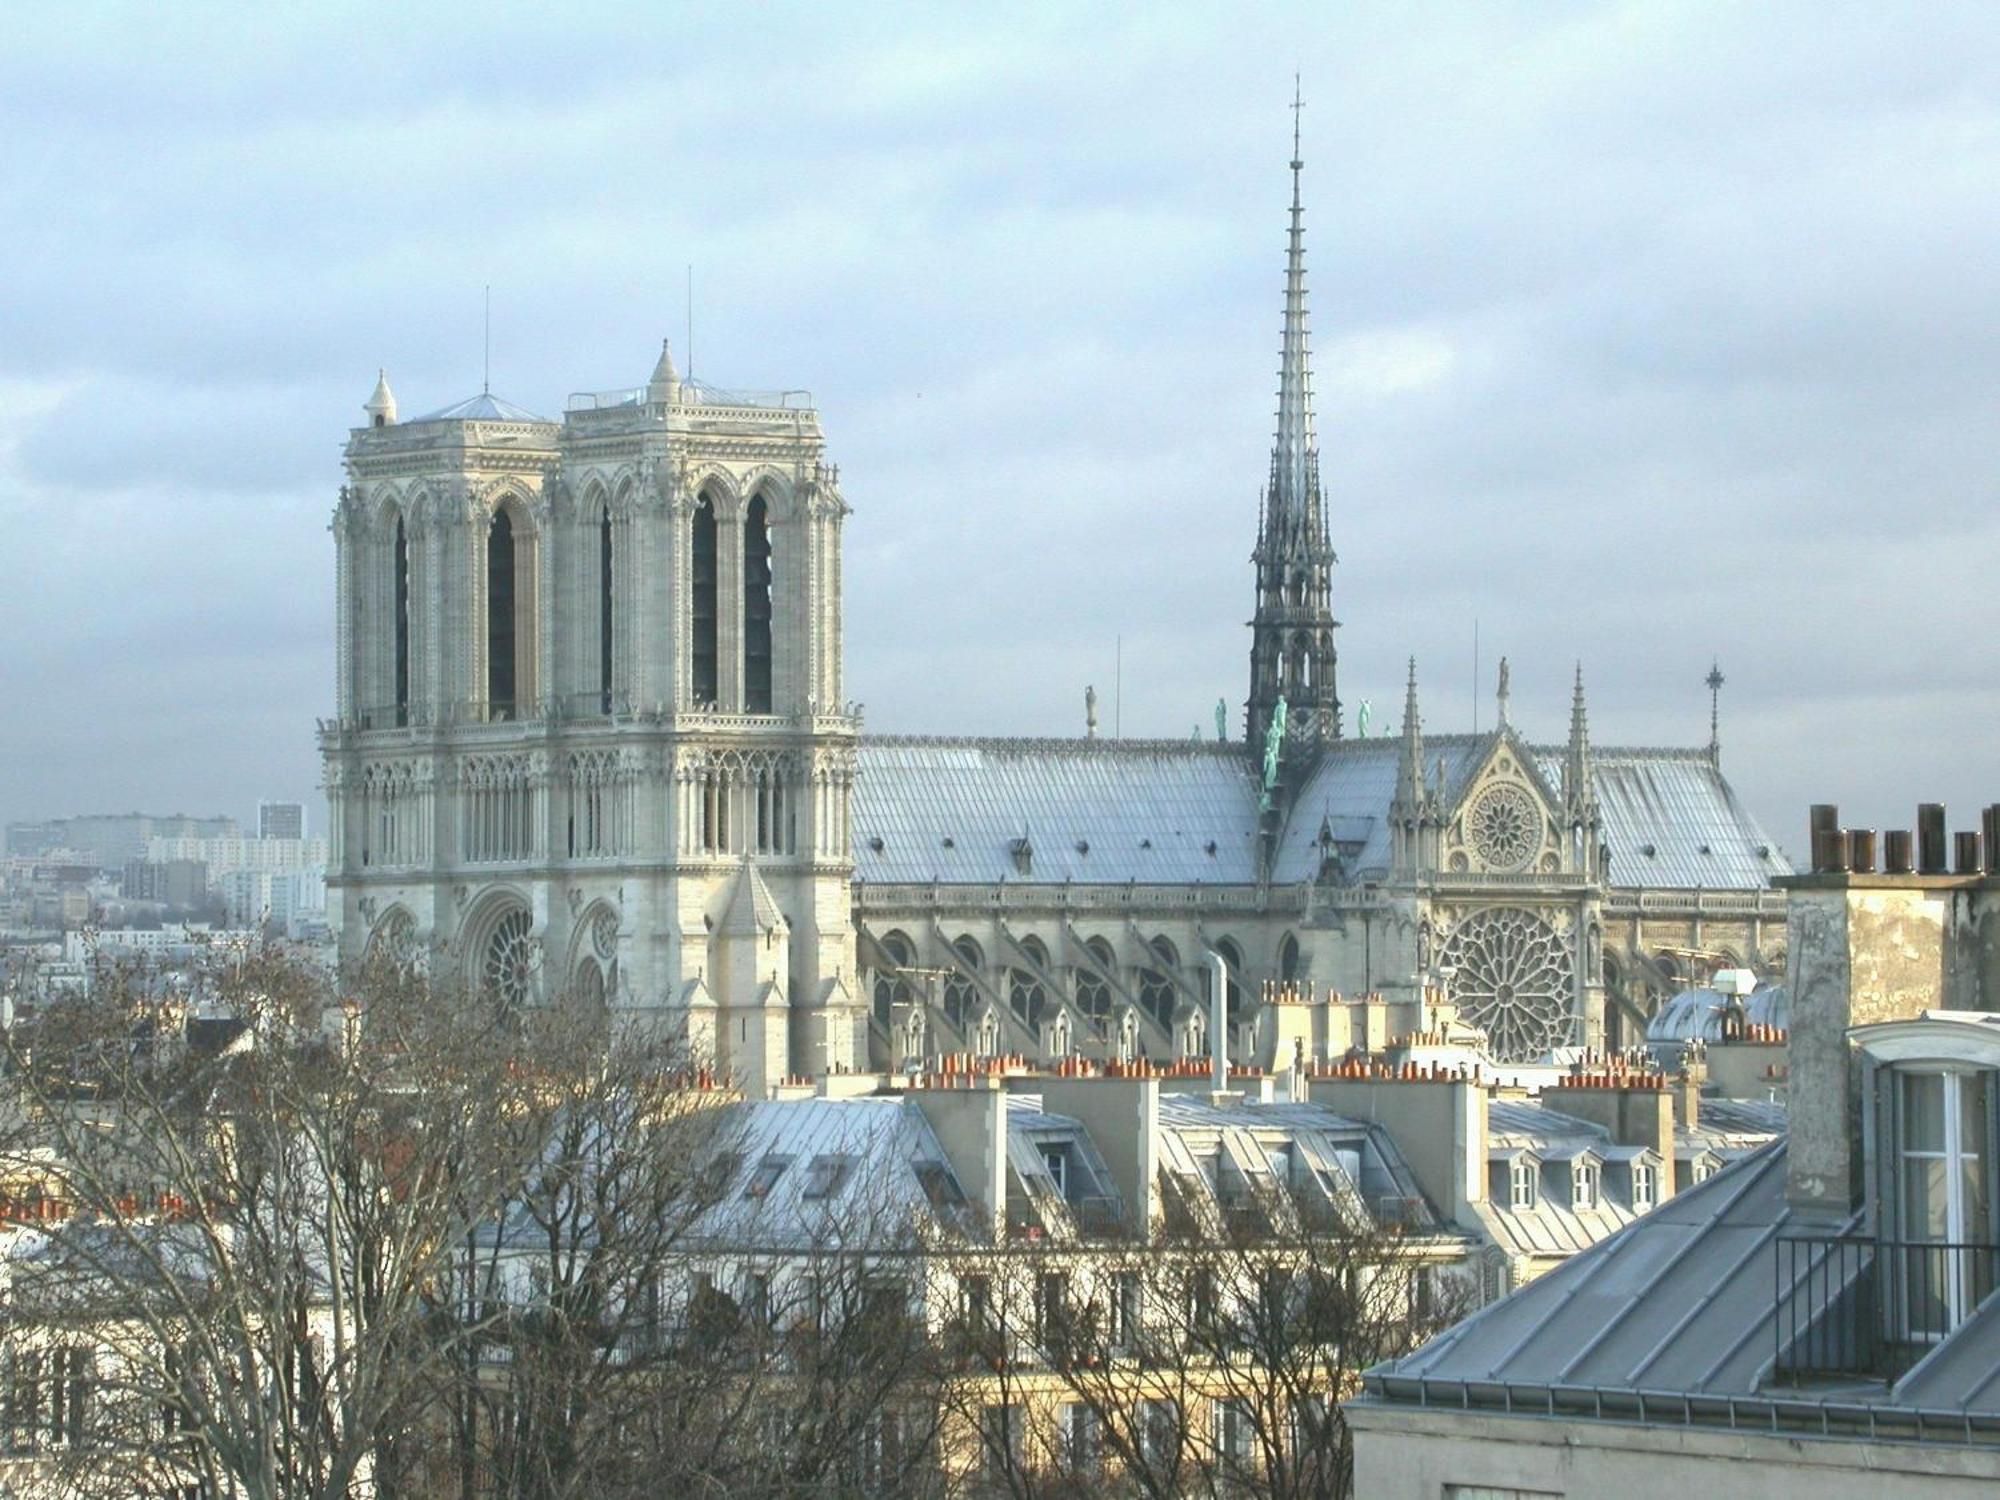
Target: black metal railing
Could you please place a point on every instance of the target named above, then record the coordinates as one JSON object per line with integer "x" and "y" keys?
{"x": 1855, "y": 1307}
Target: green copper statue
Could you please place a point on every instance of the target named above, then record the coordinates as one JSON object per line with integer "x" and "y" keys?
{"x": 1221, "y": 721}
{"x": 1274, "y": 740}
{"x": 1365, "y": 718}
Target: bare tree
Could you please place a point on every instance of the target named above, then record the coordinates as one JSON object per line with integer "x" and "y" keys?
{"x": 233, "y": 1278}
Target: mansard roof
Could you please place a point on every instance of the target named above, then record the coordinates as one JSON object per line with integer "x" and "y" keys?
{"x": 1108, "y": 812}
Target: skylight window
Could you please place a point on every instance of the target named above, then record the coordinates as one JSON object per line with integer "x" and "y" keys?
{"x": 824, "y": 1177}
{"x": 769, "y": 1170}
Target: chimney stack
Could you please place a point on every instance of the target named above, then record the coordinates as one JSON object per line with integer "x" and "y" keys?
{"x": 1930, "y": 838}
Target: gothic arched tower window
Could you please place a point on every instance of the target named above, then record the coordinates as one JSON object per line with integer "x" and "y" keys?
{"x": 704, "y": 684}
{"x": 604, "y": 610}
{"x": 757, "y": 608}
{"x": 502, "y": 573}
{"x": 400, "y": 566}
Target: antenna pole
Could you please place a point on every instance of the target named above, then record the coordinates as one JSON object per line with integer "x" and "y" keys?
{"x": 1118, "y": 693}
{"x": 690, "y": 319}
{"x": 486, "y": 359}
{"x": 1475, "y": 674}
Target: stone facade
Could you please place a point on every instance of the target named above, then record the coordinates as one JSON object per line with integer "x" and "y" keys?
{"x": 591, "y": 737}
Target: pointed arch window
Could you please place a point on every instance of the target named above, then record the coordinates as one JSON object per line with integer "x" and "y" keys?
{"x": 1093, "y": 991}
{"x": 604, "y": 657}
{"x": 757, "y": 608}
{"x": 704, "y": 686}
{"x": 501, "y": 577}
{"x": 400, "y": 566}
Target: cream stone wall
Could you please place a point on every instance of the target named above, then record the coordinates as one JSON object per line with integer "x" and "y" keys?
{"x": 1408, "y": 1454}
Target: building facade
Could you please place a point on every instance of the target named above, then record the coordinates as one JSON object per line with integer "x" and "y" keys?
{"x": 591, "y": 736}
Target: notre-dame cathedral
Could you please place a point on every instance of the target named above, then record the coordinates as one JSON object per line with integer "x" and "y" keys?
{"x": 592, "y": 741}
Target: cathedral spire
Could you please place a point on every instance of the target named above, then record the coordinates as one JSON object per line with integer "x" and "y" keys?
{"x": 1292, "y": 654}
{"x": 1295, "y": 456}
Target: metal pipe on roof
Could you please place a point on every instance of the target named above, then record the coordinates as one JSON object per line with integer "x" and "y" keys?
{"x": 1218, "y": 1024}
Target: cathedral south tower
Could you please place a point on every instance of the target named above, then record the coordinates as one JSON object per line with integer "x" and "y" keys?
{"x": 1291, "y": 651}
{"x": 591, "y": 743}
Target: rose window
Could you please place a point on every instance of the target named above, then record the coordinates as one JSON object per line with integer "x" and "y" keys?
{"x": 1513, "y": 976}
{"x": 604, "y": 934}
{"x": 1506, "y": 827}
{"x": 393, "y": 947}
{"x": 508, "y": 970}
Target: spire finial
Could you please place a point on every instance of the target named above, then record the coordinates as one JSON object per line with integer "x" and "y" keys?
{"x": 1715, "y": 679}
{"x": 1298, "y": 103}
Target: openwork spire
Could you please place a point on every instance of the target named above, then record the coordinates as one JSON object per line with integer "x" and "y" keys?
{"x": 1292, "y": 653}
{"x": 1294, "y": 492}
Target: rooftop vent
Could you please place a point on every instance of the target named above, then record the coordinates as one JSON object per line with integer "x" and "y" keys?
{"x": 875, "y": 842}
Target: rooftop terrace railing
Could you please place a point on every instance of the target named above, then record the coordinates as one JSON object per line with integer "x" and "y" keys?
{"x": 1855, "y": 1307}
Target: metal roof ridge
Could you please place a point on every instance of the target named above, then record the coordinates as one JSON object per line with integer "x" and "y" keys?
{"x": 1051, "y": 743}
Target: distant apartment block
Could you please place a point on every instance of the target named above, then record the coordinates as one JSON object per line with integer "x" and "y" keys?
{"x": 107, "y": 841}
{"x": 281, "y": 820}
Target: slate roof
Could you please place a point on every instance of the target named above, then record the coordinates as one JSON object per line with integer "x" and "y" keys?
{"x": 1106, "y": 812}
{"x": 1682, "y": 1304}
{"x": 485, "y": 407}
{"x": 1094, "y": 812}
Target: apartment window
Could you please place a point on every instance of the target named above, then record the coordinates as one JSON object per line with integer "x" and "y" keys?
{"x": 1943, "y": 1197}
{"x": 975, "y": 1300}
{"x": 1160, "y": 1435}
{"x": 1522, "y": 1183}
{"x": 1001, "y": 1430}
{"x": 1645, "y": 1188}
{"x": 1126, "y": 1310}
{"x": 1051, "y": 1305}
{"x": 1583, "y": 1184}
{"x": 1077, "y": 1428}
{"x": 1233, "y": 1437}
{"x": 757, "y": 1299}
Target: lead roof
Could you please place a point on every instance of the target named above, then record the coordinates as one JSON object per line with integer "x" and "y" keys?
{"x": 1109, "y": 812}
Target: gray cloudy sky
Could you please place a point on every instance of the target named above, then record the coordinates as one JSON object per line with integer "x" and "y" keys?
{"x": 1644, "y": 333}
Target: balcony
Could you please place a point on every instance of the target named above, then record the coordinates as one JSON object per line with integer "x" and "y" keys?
{"x": 1866, "y": 1309}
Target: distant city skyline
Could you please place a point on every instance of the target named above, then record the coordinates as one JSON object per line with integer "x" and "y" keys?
{"x": 1646, "y": 335}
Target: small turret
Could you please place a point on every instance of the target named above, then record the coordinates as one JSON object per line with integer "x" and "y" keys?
{"x": 1580, "y": 784}
{"x": 665, "y": 385}
{"x": 1413, "y": 810}
{"x": 381, "y": 407}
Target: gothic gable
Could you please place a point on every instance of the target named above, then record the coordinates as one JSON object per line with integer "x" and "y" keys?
{"x": 1504, "y": 819}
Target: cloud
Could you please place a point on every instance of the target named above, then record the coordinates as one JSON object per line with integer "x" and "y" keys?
{"x": 1644, "y": 333}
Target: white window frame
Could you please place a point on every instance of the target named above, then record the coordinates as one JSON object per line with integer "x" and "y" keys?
{"x": 1524, "y": 1182}
{"x": 1645, "y": 1187}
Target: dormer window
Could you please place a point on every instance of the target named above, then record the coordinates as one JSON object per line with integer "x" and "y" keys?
{"x": 1583, "y": 1183}
{"x": 1055, "y": 1161}
{"x": 1523, "y": 1182}
{"x": 1942, "y": 1195}
{"x": 1645, "y": 1187}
